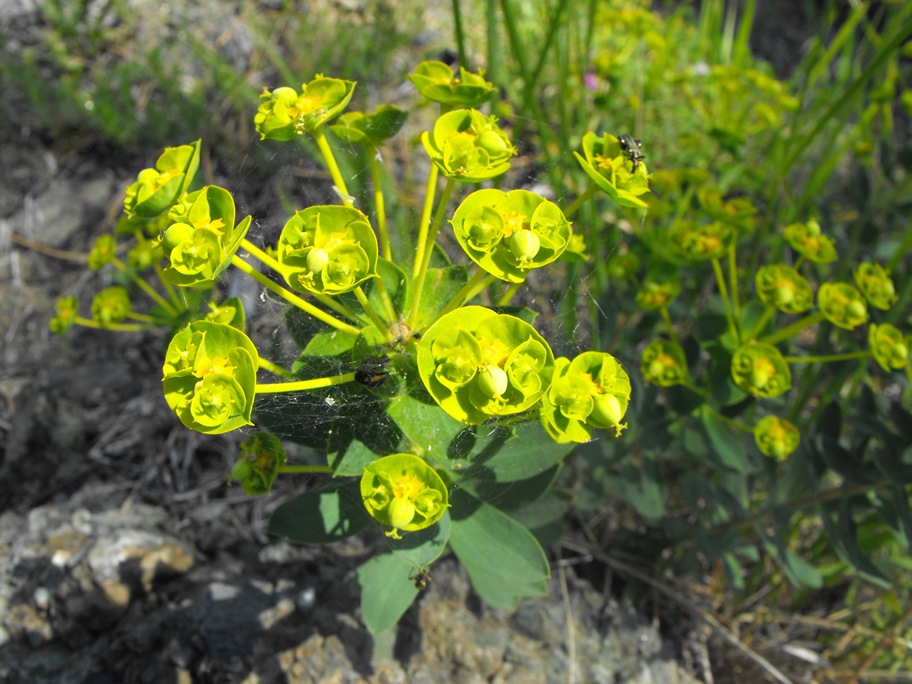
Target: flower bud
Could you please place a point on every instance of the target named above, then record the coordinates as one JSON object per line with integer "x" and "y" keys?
{"x": 493, "y": 381}
{"x": 607, "y": 409}
{"x": 524, "y": 244}
{"x": 317, "y": 259}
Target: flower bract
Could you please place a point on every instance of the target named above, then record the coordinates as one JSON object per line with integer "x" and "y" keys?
{"x": 591, "y": 391}
{"x": 210, "y": 377}
{"x": 776, "y": 437}
{"x": 888, "y": 346}
{"x": 369, "y": 129}
{"x": 699, "y": 242}
{"x": 111, "y": 305}
{"x": 663, "y": 363}
{"x": 842, "y": 305}
{"x": 286, "y": 113}
{"x": 610, "y": 169}
{"x": 510, "y": 233}
{"x": 403, "y": 492}
{"x": 468, "y": 146}
{"x": 437, "y": 82}
{"x": 810, "y": 242}
{"x": 156, "y": 189}
{"x": 782, "y": 287}
{"x": 478, "y": 364}
{"x": 876, "y": 285}
{"x": 761, "y": 370}
{"x": 262, "y": 455}
{"x": 327, "y": 250}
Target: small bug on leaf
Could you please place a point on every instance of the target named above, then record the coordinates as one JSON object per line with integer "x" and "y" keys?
{"x": 421, "y": 578}
{"x": 372, "y": 372}
{"x": 632, "y": 149}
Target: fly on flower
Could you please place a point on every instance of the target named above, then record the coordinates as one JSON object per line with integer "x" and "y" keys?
{"x": 632, "y": 149}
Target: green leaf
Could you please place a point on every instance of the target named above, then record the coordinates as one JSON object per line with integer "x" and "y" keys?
{"x": 640, "y": 487}
{"x": 843, "y": 534}
{"x": 423, "y": 547}
{"x": 509, "y": 496}
{"x": 440, "y": 286}
{"x": 386, "y": 591}
{"x": 529, "y": 451}
{"x": 544, "y": 511}
{"x": 322, "y": 516}
{"x": 504, "y": 560}
{"x": 728, "y": 449}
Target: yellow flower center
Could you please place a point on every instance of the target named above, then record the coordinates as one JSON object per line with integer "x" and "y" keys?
{"x": 407, "y": 486}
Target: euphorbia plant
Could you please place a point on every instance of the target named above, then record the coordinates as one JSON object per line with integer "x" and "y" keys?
{"x": 469, "y": 399}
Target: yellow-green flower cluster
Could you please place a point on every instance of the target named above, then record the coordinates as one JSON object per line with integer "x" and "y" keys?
{"x": 654, "y": 295}
{"x": 782, "y": 287}
{"x": 842, "y": 305}
{"x": 328, "y": 250}
{"x": 156, "y": 189}
{"x": 210, "y": 377}
{"x": 761, "y": 370}
{"x": 663, "y": 363}
{"x": 888, "y": 346}
{"x": 808, "y": 240}
{"x": 591, "y": 391}
{"x": 111, "y": 305}
{"x": 437, "y": 82}
{"x": 404, "y": 493}
{"x": 875, "y": 284}
{"x": 262, "y": 455}
{"x": 510, "y": 233}
{"x": 468, "y": 146}
{"x": 776, "y": 437}
{"x": 478, "y": 364}
{"x": 699, "y": 242}
{"x": 611, "y": 169}
{"x": 286, "y": 113}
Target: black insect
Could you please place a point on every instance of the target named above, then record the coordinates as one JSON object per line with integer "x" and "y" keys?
{"x": 373, "y": 371}
{"x": 632, "y": 149}
{"x": 422, "y": 578}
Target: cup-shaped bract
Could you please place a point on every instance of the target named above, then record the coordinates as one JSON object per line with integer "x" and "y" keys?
{"x": 888, "y": 346}
{"x": 875, "y": 284}
{"x": 663, "y": 363}
{"x": 761, "y": 370}
{"x": 327, "y": 250}
{"x": 202, "y": 237}
{"x": 156, "y": 189}
{"x": 404, "y": 493}
{"x": 437, "y": 82}
{"x": 776, "y": 437}
{"x": 262, "y": 456}
{"x": 699, "y": 242}
{"x": 210, "y": 377}
{"x": 655, "y": 295}
{"x": 782, "y": 287}
{"x": 369, "y": 130}
{"x": 591, "y": 391}
{"x": 842, "y": 305}
{"x": 737, "y": 211}
{"x": 611, "y": 169}
{"x": 286, "y": 113}
{"x": 146, "y": 253}
{"x": 478, "y": 364}
{"x": 67, "y": 309}
{"x": 510, "y": 233}
{"x": 111, "y": 305}
{"x": 468, "y": 146}
{"x": 103, "y": 251}
{"x": 810, "y": 242}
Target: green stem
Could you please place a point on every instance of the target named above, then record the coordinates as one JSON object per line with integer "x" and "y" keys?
{"x": 289, "y": 469}
{"x": 460, "y": 33}
{"x": 373, "y": 163}
{"x": 794, "y": 328}
{"x": 667, "y": 318}
{"x": 388, "y": 305}
{"x": 143, "y": 285}
{"x": 378, "y": 322}
{"x": 764, "y": 319}
{"x": 330, "y": 159}
{"x": 304, "y": 385}
{"x": 145, "y": 318}
{"x": 276, "y": 266}
{"x": 589, "y": 193}
{"x": 728, "y": 421}
{"x": 119, "y": 327}
{"x": 733, "y": 281}
{"x": 462, "y": 296}
{"x": 726, "y": 303}
{"x": 507, "y": 296}
{"x": 829, "y": 357}
{"x": 292, "y": 298}
{"x": 428, "y": 250}
{"x": 425, "y": 222}
{"x": 274, "y": 368}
